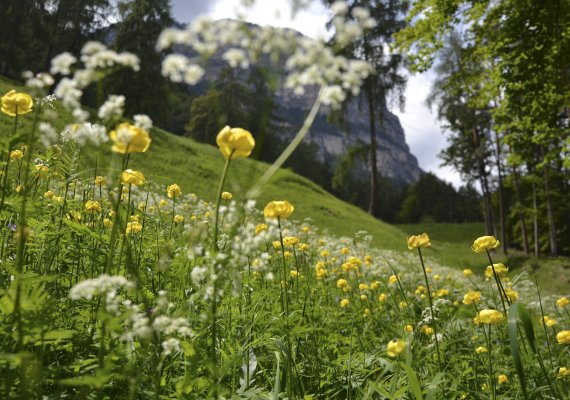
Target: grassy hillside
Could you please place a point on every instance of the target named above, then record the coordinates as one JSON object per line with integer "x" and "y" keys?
{"x": 197, "y": 167}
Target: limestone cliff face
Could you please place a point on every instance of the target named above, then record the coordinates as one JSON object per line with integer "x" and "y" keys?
{"x": 333, "y": 141}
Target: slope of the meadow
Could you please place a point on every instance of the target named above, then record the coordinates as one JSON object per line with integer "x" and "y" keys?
{"x": 197, "y": 167}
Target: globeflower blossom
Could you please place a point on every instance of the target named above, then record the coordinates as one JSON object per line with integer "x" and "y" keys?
{"x": 235, "y": 142}
{"x": 14, "y": 103}
{"x": 485, "y": 243}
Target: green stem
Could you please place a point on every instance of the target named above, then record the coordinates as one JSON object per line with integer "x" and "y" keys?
{"x": 21, "y": 227}
{"x": 502, "y": 293}
{"x": 491, "y": 377}
{"x": 219, "y": 196}
{"x": 256, "y": 189}
{"x": 286, "y": 305}
{"x": 431, "y": 310}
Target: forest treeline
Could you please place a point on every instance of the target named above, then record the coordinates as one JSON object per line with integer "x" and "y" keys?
{"x": 502, "y": 91}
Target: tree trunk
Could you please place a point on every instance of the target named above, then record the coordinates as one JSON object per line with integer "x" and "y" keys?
{"x": 535, "y": 220}
{"x": 521, "y": 211}
{"x": 549, "y": 211}
{"x": 502, "y": 202}
{"x": 373, "y": 159}
{"x": 486, "y": 201}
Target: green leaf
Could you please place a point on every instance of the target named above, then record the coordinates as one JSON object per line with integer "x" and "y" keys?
{"x": 413, "y": 383}
{"x": 516, "y": 311}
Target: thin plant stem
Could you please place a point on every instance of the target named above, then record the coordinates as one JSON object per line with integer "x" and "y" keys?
{"x": 218, "y": 197}
{"x": 286, "y": 306}
{"x": 431, "y": 311}
{"x": 502, "y": 293}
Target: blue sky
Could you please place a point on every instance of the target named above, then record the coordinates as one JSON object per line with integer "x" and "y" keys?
{"x": 423, "y": 132}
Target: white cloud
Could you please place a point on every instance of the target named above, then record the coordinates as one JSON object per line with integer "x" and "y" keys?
{"x": 423, "y": 132}
{"x": 310, "y": 21}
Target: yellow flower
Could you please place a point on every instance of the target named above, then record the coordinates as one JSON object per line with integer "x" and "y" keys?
{"x": 129, "y": 138}
{"x": 92, "y": 206}
{"x": 325, "y": 253}
{"x": 563, "y": 371}
{"x": 502, "y": 379}
{"x": 294, "y": 274}
{"x": 409, "y": 328}
{"x": 49, "y": 195}
{"x": 16, "y": 103}
{"x": 437, "y": 277}
{"x": 173, "y": 191}
{"x": 442, "y": 292}
{"x": 16, "y": 154}
{"x": 41, "y": 169}
{"x": 100, "y": 180}
{"x": 341, "y": 283}
{"x": 512, "y": 295}
{"x": 278, "y": 209}
{"x": 19, "y": 188}
{"x": 57, "y": 200}
{"x": 563, "y": 337}
{"x": 345, "y": 250}
{"x": 133, "y": 227}
{"x": 467, "y": 273}
{"x": 235, "y": 142}
{"x": 393, "y": 279}
{"x": 382, "y": 297}
{"x": 344, "y": 303}
{"x": 132, "y": 177}
{"x": 363, "y": 297}
{"x": 481, "y": 349}
{"x": 303, "y": 246}
{"x": 277, "y": 245}
{"x": 362, "y": 286}
{"x": 418, "y": 241}
{"x": 163, "y": 203}
{"x": 484, "y": 387}
{"x": 178, "y": 218}
{"x": 290, "y": 240}
{"x": 562, "y": 302}
{"x": 490, "y": 316}
{"x": 260, "y": 228}
{"x": 375, "y": 285}
{"x": 395, "y": 347}
{"x": 550, "y": 322}
{"x": 227, "y": 196}
{"x": 485, "y": 243}
{"x": 471, "y": 297}
{"x": 500, "y": 270}
{"x": 108, "y": 223}
{"x": 305, "y": 229}
{"x": 427, "y": 330}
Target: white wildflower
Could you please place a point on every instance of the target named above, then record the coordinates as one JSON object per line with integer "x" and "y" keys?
{"x": 235, "y": 58}
{"x": 62, "y": 63}
{"x": 170, "y": 346}
{"x": 112, "y": 108}
{"x": 48, "y": 135}
{"x": 143, "y": 121}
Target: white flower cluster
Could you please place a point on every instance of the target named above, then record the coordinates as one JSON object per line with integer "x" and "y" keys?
{"x": 143, "y": 121}
{"x": 107, "y": 285}
{"x": 112, "y": 108}
{"x": 96, "y": 59}
{"x": 307, "y": 62}
{"x": 85, "y": 133}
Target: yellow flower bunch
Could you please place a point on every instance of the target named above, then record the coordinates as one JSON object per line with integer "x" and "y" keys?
{"x": 235, "y": 142}
{"x": 418, "y": 241}
{"x": 471, "y": 297}
{"x": 260, "y": 228}
{"x": 16, "y": 154}
{"x": 100, "y": 180}
{"x": 133, "y": 227}
{"x": 500, "y": 270}
{"x": 132, "y": 177}
{"x": 173, "y": 191}
{"x": 563, "y": 337}
{"x": 92, "y": 206}
{"x": 562, "y": 302}
{"x": 227, "y": 196}
{"x": 129, "y": 138}
{"x": 278, "y": 209}
{"x": 14, "y": 103}
{"x": 490, "y": 317}
{"x": 485, "y": 243}
{"x": 395, "y": 347}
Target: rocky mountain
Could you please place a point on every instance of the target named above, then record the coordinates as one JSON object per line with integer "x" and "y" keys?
{"x": 333, "y": 141}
